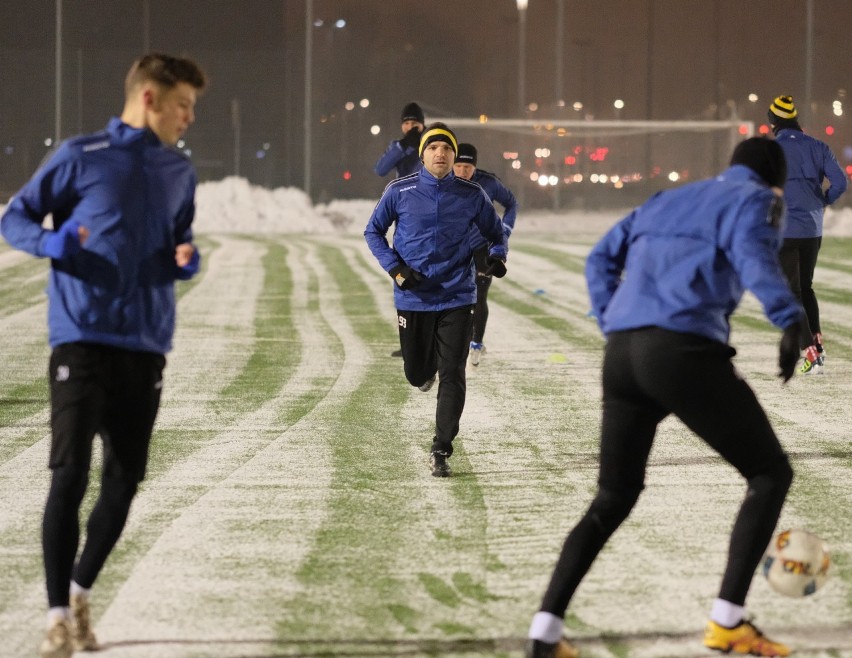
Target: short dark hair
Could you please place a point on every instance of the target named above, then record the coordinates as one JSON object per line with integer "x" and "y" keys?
{"x": 165, "y": 70}
{"x": 765, "y": 157}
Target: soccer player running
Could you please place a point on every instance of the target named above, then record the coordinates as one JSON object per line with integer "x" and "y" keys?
{"x": 465, "y": 167}
{"x": 663, "y": 283}
{"x": 122, "y": 202}
{"x": 403, "y": 154}
{"x": 431, "y": 263}
{"x": 809, "y": 163}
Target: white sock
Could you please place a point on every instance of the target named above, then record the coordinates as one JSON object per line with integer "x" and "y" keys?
{"x": 546, "y": 627}
{"x": 79, "y": 590}
{"x": 57, "y": 614}
{"x": 726, "y": 613}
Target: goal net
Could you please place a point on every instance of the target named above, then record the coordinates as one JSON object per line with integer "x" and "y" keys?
{"x": 595, "y": 164}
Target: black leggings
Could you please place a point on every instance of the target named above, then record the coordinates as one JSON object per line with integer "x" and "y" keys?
{"x": 648, "y": 374}
{"x": 798, "y": 258}
{"x": 95, "y": 390}
{"x": 483, "y": 283}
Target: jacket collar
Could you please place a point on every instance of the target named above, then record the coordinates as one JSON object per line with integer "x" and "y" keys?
{"x": 121, "y": 133}
{"x": 429, "y": 179}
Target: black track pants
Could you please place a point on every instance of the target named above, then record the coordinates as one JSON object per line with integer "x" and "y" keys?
{"x": 438, "y": 342}
{"x": 648, "y": 374}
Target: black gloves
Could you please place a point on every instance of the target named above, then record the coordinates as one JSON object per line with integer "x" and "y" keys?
{"x": 411, "y": 138}
{"x": 496, "y": 267}
{"x": 789, "y": 350}
{"x": 405, "y": 277}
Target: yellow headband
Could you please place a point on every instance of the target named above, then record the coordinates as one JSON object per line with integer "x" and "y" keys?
{"x": 437, "y": 131}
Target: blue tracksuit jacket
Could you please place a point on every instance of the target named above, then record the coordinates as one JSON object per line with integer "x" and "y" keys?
{"x": 406, "y": 160}
{"x": 434, "y": 218}
{"x": 809, "y": 161}
{"x": 683, "y": 260}
{"x": 137, "y": 198}
{"x": 498, "y": 192}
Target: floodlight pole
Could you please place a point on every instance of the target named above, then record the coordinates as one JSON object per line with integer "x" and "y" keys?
{"x": 809, "y": 57}
{"x": 309, "y": 21}
{"x": 522, "y": 53}
{"x": 57, "y": 127}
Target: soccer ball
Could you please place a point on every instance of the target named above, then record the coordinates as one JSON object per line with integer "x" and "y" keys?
{"x": 796, "y": 563}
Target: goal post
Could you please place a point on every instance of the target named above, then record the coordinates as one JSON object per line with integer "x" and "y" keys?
{"x": 553, "y": 163}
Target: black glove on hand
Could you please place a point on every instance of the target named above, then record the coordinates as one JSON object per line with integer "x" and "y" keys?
{"x": 789, "y": 351}
{"x": 405, "y": 277}
{"x": 496, "y": 267}
{"x": 411, "y": 138}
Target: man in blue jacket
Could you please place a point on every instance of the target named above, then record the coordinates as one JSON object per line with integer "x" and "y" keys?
{"x": 403, "y": 154}
{"x": 465, "y": 167}
{"x": 431, "y": 263}
{"x": 122, "y": 202}
{"x": 663, "y": 283}
{"x": 809, "y": 163}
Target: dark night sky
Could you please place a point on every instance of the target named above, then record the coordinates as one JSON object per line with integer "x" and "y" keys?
{"x": 667, "y": 59}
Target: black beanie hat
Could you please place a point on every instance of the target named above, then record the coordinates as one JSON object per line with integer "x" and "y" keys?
{"x": 438, "y": 132}
{"x": 467, "y": 154}
{"x": 765, "y": 157}
{"x": 412, "y": 112}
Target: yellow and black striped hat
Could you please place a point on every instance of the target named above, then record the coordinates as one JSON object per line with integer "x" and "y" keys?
{"x": 783, "y": 108}
{"x": 438, "y": 132}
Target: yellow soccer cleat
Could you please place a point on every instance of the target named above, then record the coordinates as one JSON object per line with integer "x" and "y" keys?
{"x": 562, "y": 649}
{"x": 745, "y": 638}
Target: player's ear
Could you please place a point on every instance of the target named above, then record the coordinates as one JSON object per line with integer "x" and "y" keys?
{"x": 149, "y": 97}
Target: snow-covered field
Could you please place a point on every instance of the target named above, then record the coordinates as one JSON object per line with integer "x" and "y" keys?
{"x": 289, "y": 509}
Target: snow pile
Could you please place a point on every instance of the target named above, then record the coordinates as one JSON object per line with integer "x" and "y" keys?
{"x": 233, "y": 205}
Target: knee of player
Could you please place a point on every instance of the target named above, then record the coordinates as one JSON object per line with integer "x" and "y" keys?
{"x": 70, "y": 481}
{"x": 777, "y": 477}
{"x": 610, "y": 507}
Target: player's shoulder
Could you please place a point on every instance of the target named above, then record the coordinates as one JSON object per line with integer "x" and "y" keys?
{"x": 482, "y": 174}
{"x": 468, "y": 185}
{"x": 401, "y": 184}
{"x": 87, "y": 143}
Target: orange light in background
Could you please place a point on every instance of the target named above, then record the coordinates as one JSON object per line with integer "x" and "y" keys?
{"x": 849, "y": 170}
{"x": 829, "y": 130}
{"x": 347, "y": 175}
{"x": 743, "y": 129}
{"x": 570, "y": 159}
{"x": 764, "y": 129}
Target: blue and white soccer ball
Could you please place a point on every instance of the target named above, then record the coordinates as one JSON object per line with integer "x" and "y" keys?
{"x": 796, "y": 563}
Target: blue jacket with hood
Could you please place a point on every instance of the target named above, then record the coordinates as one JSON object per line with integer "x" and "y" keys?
{"x": 434, "y": 219}
{"x": 683, "y": 260}
{"x": 136, "y": 196}
{"x": 809, "y": 161}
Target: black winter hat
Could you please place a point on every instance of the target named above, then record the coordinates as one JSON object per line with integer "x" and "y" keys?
{"x": 467, "y": 154}
{"x": 412, "y": 112}
{"x": 765, "y": 157}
